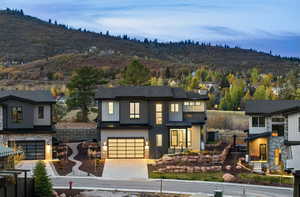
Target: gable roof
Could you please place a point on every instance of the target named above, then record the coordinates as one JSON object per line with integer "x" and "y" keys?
{"x": 38, "y": 96}
{"x": 147, "y": 92}
{"x": 268, "y": 107}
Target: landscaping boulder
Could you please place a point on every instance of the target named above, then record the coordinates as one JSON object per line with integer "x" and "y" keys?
{"x": 228, "y": 167}
{"x": 229, "y": 177}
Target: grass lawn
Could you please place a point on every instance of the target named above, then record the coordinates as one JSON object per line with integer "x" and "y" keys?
{"x": 217, "y": 177}
{"x": 210, "y": 176}
{"x": 266, "y": 179}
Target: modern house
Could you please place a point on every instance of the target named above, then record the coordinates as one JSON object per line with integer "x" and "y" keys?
{"x": 292, "y": 141}
{"x": 147, "y": 122}
{"x": 267, "y": 132}
{"x": 5, "y": 153}
{"x": 26, "y": 122}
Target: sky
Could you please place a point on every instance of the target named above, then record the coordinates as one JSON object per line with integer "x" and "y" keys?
{"x": 258, "y": 24}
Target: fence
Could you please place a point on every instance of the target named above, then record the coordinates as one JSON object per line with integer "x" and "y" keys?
{"x": 76, "y": 135}
{"x": 11, "y": 188}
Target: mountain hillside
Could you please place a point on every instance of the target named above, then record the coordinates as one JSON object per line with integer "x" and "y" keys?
{"x": 24, "y": 39}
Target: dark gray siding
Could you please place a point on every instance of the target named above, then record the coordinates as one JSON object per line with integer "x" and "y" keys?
{"x": 27, "y": 121}
{"x": 157, "y": 152}
{"x": 194, "y": 117}
{"x": 125, "y": 109}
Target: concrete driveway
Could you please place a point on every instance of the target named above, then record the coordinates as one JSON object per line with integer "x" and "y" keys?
{"x": 125, "y": 169}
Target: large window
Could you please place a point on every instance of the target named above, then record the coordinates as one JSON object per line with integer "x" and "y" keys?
{"x": 16, "y": 114}
{"x": 134, "y": 110}
{"x": 41, "y": 112}
{"x": 174, "y": 107}
{"x": 193, "y": 106}
{"x": 258, "y": 121}
{"x": 180, "y": 138}
{"x": 110, "y": 108}
{"x": 159, "y": 140}
{"x": 158, "y": 114}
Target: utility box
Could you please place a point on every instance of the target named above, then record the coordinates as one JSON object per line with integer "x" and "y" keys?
{"x": 218, "y": 193}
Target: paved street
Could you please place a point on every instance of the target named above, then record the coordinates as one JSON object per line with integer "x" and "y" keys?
{"x": 172, "y": 186}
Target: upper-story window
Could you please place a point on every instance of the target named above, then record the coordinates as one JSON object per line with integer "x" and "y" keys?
{"x": 16, "y": 114}
{"x": 134, "y": 110}
{"x": 41, "y": 112}
{"x": 193, "y": 106}
{"x": 258, "y": 121}
{"x": 110, "y": 108}
{"x": 158, "y": 114}
{"x": 174, "y": 107}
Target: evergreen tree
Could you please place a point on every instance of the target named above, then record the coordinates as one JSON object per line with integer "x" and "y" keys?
{"x": 82, "y": 88}
{"x": 42, "y": 183}
{"x": 135, "y": 74}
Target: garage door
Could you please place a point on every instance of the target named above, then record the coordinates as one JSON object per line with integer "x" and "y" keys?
{"x": 126, "y": 148}
{"x": 33, "y": 150}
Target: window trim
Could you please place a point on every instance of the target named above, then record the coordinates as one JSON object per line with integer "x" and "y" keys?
{"x": 16, "y": 119}
{"x": 41, "y": 113}
{"x": 111, "y": 108}
{"x": 159, "y": 114}
{"x": 260, "y": 123}
{"x": 174, "y": 107}
{"x": 159, "y": 138}
{"x": 135, "y": 114}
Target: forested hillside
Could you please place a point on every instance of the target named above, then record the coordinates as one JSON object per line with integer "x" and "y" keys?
{"x": 24, "y": 39}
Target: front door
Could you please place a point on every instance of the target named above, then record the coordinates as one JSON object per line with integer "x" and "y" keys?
{"x": 263, "y": 152}
{"x": 126, "y": 148}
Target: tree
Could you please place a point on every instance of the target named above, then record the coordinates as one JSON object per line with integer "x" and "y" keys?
{"x": 42, "y": 183}
{"x": 260, "y": 93}
{"x": 82, "y": 89}
{"x": 135, "y": 74}
{"x": 254, "y": 76}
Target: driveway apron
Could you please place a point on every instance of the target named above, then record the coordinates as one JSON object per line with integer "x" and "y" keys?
{"x": 125, "y": 169}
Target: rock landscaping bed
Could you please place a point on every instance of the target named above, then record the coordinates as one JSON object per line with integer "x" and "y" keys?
{"x": 90, "y": 163}
{"x": 212, "y": 165}
{"x": 64, "y": 166}
{"x": 192, "y": 162}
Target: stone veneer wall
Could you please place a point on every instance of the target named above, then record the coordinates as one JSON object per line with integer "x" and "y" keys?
{"x": 274, "y": 143}
{"x": 76, "y": 135}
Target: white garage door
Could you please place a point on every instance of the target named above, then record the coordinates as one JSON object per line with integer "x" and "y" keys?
{"x": 126, "y": 148}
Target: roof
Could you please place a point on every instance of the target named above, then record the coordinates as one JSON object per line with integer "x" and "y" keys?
{"x": 147, "y": 92}
{"x": 5, "y": 151}
{"x": 38, "y": 96}
{"x": 255, "y": 136}
{"x": 268, "y": 107}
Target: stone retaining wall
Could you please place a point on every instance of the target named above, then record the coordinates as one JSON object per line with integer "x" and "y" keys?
{"x": 76, "y": 135}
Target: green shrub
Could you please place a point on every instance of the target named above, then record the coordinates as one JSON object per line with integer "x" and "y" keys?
{"x": 42, "y": 183}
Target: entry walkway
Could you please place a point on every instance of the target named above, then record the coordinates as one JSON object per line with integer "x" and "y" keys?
{"x": 75, "y": 169}
{"x": 125, "y": 169}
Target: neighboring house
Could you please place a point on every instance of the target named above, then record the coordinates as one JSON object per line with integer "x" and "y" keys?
{"x": 292, "y": 141}
{"x": 267, "y": 132}
{"x": 147, "y": 122}
{"x": 5, "y": 153}
{"x": 26, "y": 122}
